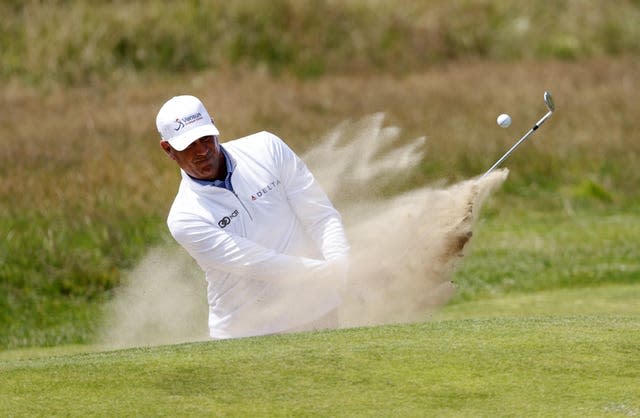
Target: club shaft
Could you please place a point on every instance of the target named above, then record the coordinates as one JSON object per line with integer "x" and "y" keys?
{"x": 517, "y": 144}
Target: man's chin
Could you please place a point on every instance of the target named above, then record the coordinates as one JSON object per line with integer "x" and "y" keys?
{"x": 200, "y": 174}
{"x": 206, "y": 174}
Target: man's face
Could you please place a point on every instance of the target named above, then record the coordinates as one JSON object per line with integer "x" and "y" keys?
{"x": 202, "y": 159}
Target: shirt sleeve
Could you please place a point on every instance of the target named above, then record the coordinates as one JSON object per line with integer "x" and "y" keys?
{"x": 310, "y": 203}
{"x": 215, "y": 249}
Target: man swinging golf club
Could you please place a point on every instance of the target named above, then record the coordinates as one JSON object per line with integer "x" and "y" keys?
{"x": 271, "y": 244}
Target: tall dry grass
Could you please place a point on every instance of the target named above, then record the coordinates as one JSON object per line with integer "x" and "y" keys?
{"x": 78, "y": 42}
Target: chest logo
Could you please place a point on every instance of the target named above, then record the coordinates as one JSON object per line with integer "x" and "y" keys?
{"x": 222, "y": 223}
{"x": 269, "y": 187}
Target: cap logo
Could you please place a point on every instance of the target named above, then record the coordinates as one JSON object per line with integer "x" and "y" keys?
{"x": 180, "y": 125}
{"x": 187, "y": 120}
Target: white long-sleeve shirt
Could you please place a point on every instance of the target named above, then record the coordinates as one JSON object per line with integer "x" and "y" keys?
{"x": 272, "y": 250}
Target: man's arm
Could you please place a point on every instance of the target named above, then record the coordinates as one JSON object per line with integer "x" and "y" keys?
{"x": 215, "y": 249}
{"x": 312, "y": 206}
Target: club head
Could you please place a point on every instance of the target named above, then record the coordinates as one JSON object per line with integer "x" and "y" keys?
{"x": 548, "y": 100}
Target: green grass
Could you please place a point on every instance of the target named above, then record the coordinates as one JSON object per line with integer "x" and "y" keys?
{"x": 520, "y": 250}
{"x": 562, "y": 365}
{"x": 567, "y": 352}
{"x": 605, "y": 299}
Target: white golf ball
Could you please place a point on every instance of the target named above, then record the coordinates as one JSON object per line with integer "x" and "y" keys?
{"x": 504, "y": 120}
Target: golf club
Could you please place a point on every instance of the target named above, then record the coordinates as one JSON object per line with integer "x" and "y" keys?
{"x": 548, "y": 100}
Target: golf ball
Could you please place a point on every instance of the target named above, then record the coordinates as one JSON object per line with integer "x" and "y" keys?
{"x": 504, "y": 120}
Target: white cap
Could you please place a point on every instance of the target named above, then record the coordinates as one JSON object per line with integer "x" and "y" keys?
{"x": 182, "y": 120}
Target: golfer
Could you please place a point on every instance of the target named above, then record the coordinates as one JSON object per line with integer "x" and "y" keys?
{"x": 271, "y": 244}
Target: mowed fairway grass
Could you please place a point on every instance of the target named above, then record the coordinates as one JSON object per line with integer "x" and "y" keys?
{"x": 531, "y": 365}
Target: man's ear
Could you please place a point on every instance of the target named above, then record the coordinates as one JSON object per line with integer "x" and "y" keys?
{"x": 167, "y": 149}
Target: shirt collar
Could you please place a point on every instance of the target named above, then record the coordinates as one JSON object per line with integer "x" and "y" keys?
{"x": 226, "y": 182}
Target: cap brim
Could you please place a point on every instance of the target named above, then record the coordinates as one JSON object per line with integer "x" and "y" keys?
{"x": 181, "y": 142}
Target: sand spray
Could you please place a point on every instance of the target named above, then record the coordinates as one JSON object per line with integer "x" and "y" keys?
{"x": 404, "y": 249}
